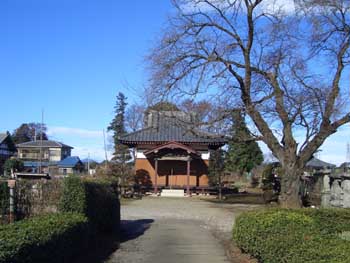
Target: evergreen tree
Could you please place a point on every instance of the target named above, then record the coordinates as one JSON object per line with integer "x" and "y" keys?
{"x": 216, "y": 168}
{"x": 243, "y": 152}
{"x": 121, "y": 152}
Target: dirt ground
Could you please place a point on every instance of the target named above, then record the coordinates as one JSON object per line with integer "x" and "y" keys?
{"x": 189, "y": 230}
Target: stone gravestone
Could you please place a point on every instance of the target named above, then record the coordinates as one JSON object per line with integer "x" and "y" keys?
{"x": 326, "y": 192}
{"x": 346, "y": 195}
{"x": 336, "y": 194}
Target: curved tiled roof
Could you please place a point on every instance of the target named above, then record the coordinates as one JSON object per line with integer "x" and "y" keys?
{"x": 317, "y": 163}
{"x": 171, "y": 132}
{"x": 44, "y": 143}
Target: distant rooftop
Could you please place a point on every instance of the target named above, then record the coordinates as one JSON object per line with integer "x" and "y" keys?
{"x": 3, "y": 136}
{"x": 44, "y": 143}
{"x": 317, "y": 163}
{"x": 69, "y": 162}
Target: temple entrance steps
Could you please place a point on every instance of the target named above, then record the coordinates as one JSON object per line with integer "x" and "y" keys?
{"x": 173, "y": 193}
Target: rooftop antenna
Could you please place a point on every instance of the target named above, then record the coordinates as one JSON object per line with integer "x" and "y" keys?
{"x": 348, "y": 152}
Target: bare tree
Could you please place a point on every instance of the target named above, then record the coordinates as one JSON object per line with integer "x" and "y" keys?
{"x": 134, "y": 117}
{"x": 285, "y": 69}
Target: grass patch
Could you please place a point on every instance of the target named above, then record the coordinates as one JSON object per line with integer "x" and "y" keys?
{"x": 247, "y": 198}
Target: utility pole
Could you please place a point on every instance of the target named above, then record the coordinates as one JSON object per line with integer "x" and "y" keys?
{"x": 88, "y": 167}
{"x": 41, "y": 140}
{"x": 104, "y": 143}
{"x": 12, "y": 184}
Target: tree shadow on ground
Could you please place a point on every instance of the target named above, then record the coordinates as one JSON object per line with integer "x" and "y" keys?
{"x": 131, "y": 229}
{"x": 105, "y": 245}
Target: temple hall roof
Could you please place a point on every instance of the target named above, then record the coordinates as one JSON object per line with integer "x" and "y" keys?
{"x": 165, "y": 128}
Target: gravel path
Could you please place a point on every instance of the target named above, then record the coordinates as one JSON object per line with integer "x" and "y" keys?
{"x": 175, "y": 230}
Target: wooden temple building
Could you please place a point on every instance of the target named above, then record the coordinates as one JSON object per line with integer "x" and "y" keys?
{"x": 170, "y": 153}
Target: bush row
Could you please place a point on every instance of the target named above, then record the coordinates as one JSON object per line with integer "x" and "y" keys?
{"x": 4, "y": 198}
{"x": 86, "y": 208}
{"x": 47, "y": 238}
{"x": 96, "y": 199}
{"x": 305, "y": 235}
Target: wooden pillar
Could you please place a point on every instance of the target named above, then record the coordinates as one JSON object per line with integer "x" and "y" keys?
{"x": 188, "y": 176}
{"x": 155, "y": 175}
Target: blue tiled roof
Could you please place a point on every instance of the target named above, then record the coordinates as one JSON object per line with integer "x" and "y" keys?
{"x": 37, "y": 164}
{"x": 70, "y": 161}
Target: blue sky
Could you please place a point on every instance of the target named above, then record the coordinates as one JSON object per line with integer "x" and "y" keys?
{"x": 71, "y": 57}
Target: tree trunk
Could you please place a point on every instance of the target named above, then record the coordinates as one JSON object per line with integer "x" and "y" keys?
{"x": 220, "y": 187}
{"x": 290, "y": 185}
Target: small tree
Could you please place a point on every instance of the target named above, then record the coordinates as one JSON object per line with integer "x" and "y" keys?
{"x": 243, "y": 152}
{"x": 121, "y": 153}
{"x": 13, "y": 164}
{"x": 216, "y": 169}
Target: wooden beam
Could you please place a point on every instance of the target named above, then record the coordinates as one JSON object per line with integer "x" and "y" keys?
{"x": 188, "y": 176}
{"x": 174, "y": 158}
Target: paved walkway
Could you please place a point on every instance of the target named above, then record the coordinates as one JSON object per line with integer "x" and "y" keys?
{"x": 177, "y": 230}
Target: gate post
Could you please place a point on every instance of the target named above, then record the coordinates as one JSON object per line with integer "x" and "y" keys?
{"x": 12, "y": 184}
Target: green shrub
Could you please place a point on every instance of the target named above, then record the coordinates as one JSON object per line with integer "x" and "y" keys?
{"x": 73, "y": 198}
{"x": 103, "y": 209}
{"x": 13, "y": 163}
{"x": 293, "y": 235}
{"x": 4, "y": 198}
{"x": 96, "y": 199}
{"x": 48, "y": 238}
{"x": 330, "y": 221}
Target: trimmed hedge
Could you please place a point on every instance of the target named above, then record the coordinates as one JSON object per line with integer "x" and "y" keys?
{"x": 96, "y": 199}
{"x": 48, "y": 238}
{"x": 4, "y": 198}
{"x": 305, "y": 235}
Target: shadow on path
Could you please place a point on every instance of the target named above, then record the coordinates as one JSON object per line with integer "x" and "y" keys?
{"x": 131, "y": 229}
{"x": 106, "y": 245}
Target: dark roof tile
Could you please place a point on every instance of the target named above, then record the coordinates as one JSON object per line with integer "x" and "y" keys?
{"x": 3, "y": 136}
{"x": 317, "y": 163}
{"x": 170, "y": 130}
{"x": 44, "y": 143}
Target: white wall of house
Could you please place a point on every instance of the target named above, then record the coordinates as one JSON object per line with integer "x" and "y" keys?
{"x": 55, "y": 154}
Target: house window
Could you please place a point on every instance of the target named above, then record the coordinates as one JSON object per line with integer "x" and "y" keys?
{"x": 64, "y": 171}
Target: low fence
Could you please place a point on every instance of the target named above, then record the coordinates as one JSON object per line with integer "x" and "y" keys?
{"x": 42, "y": 196}
{"x": 30, "y": 198}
